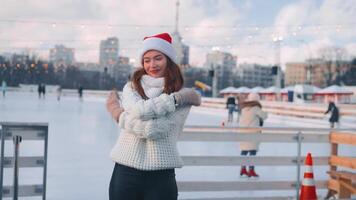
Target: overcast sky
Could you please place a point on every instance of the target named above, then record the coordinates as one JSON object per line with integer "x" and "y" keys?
{"x": 245, "y": 28}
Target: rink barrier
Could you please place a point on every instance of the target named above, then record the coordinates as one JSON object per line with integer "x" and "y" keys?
{"x": 342, "y": 181}
{"x": 27, "y": 132}
{"x": 270, "y": 135}
{"x": 310, "y": 110}
{"x": 17, "y": 140}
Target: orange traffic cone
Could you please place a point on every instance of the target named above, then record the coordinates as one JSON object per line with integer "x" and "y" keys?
{"x": 308, "y": 190}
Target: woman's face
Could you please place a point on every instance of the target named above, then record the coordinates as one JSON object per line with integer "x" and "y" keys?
{"x": 154, "y": 63}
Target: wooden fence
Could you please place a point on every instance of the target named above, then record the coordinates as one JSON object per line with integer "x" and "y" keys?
{"x": 270, "y": 135}
{"x": 342, "y": 181}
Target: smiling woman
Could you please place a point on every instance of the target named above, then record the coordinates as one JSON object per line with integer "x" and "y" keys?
{"x": 153, "y": 112}
{"x": 154, "y": 63}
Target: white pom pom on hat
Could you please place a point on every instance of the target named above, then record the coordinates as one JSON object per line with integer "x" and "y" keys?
{"x": 161, "y": 42}
{"x": 253, "y": 97}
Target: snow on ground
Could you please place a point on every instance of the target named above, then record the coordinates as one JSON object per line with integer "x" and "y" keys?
{"x": 81, "y": 135}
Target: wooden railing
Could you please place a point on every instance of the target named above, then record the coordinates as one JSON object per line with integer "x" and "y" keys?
{"x": 270, "y": 135}
{"x": 287, "y": 108}
{"x": 342, "y": 181}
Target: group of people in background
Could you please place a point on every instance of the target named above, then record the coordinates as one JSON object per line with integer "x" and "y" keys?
{"x": 42, "y": 92}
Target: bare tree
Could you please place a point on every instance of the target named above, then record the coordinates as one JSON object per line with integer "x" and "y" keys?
{"x": 334, "y": 59}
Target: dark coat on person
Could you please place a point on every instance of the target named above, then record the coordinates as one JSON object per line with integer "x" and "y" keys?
{"x": 334, "y": 113}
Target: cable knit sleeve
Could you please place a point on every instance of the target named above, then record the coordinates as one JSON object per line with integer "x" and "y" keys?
{"x": 153, "y": 129}
{"x": 146, "y": 109}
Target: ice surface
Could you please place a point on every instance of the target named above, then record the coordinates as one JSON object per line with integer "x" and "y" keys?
{"x": 81, "y": 135}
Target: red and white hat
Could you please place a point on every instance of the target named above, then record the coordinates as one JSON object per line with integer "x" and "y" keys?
{"x": 161, "y": 42}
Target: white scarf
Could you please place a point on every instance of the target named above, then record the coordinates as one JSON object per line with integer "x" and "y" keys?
{"x": 153, "y": 87}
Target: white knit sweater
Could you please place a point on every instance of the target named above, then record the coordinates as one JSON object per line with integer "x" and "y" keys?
{"x": 149, "y": 128}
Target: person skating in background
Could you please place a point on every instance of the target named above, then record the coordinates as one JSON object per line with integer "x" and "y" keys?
{"x": 152, "y": 115}
{"x": 240, "y": 100}
{"x": 80, "y": 92}
{"x": 39, "y": 90}
{"x": 3, "y": 88}
{"x": 251, "y": 114}
{"x": 59, "y": 93}
{"x": 335, "y": 114}
{"x": 43, "y": 90}
{"x": 231, "y": 107}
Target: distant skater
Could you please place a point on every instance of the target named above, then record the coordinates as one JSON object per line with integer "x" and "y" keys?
{"x": 231, "y": 107}
{"x": 44, "y": 91}
{"x": 3, "y": 88}
{"x": 39, "y": 90}
{"x": 59, "y": 93}
{"x": 80, "y": 92}
{"x": 334, "y": 117}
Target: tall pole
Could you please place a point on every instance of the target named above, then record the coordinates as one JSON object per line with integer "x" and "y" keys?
{"x": 177, "y": 16}
{"x": 309, "y": 67}
{"x": 214, "y": 77}
{"x": 277, "y": 42}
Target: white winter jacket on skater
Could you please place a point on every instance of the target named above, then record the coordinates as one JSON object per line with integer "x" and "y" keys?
{"x": 251, "y": 114}
{"x": 149, "y": 128}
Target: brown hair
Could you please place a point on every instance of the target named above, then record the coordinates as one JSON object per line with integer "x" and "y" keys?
{"x": 173, "y": 79}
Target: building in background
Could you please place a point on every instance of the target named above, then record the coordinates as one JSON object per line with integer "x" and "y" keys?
{"x": 222, "y": 68}
{"x": 109, "y": 54}
{"x": 122, "y": 72}
{"x": 181, "y": 48}
{"x": 62, "y": 56}
{"x": 316, "y": 72}
{"x": 253, "y": 75}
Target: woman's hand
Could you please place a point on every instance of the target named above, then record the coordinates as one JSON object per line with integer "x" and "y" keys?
{"x": 113, "y": 105}
{"x": 187, "y": 96}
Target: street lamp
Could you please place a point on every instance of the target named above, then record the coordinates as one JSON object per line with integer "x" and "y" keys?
{"x": 277, "y": 41}
{"x": 213, "y": 74}
{"x": 309, "y": 67}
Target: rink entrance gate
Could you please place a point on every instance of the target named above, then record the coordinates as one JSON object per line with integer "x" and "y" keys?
{"x": 16, "y": 134}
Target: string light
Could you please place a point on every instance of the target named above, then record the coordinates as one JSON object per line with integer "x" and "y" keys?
{"x": 232, "y": 40}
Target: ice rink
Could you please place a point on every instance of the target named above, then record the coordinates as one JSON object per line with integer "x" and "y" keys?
{"x": 81, "y": 135}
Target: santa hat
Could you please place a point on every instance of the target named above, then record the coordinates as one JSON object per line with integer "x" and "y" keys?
{"x": 161, "y": 42}
{"x": 253, "y": 97}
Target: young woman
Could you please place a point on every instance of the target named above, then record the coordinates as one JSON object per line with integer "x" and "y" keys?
{"x": 153, "y": 112}
{"x": 251, "y": 116}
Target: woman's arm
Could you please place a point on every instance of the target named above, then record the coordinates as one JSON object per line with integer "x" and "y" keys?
{"x": 146, "y": 109}
{"x": 158, "y": 106}
{"x": 152, "y": 129}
